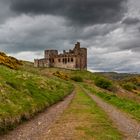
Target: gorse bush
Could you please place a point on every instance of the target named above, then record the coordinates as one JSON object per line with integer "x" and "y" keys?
{"x": 61, "y": 75}
{"x": 77, "y": 79}
{"x": 9, "y": 61}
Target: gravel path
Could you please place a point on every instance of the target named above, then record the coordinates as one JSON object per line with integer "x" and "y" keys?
{"x": 34, "y": 129}
{"x": 129, "y": 127}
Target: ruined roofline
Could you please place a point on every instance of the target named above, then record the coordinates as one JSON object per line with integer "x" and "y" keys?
{"x": 70, "y": 52}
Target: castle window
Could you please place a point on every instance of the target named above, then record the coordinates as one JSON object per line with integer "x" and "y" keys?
{"x": 59, "y": 60}
{"x": 63, "y": 60}
{"x": 71, "y": 59}
{"x": 68, "y": 60}
{"x": 53, "y": 60}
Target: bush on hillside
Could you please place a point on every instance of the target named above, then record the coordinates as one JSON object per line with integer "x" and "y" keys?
{"x": 129, "y": 86}
{"x": 103, "y": 83}
{"x": 77, "y": 79}
{"x": 61, "y": 75}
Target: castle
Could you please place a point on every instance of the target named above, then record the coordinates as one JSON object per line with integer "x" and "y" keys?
{"x": 74, "y": 59}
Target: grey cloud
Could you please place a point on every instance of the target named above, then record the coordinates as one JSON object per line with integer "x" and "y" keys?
{"x": 131, "y": 21}
{"x": 80, "y": 12}
{"x": 42, "y": 32}
{"x": 16, "y": 36}
{"x": 111, "y": 46}
{"x": 5, "y": 11}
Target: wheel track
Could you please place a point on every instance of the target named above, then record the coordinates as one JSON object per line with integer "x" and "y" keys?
{"x": 124, "y": 123}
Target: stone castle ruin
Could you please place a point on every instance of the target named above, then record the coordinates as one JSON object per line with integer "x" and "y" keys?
{"x": 74, "y": 59}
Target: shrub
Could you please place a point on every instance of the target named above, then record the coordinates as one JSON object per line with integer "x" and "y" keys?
{"x": 61, "y": 75}
{"x": 103, "y": 83}
{"x": 77, "y": 78}
{"x": 129, "y": 86}
{"x": 9, "y": 61}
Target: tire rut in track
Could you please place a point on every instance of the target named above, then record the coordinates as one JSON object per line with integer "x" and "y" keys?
{"x": 127, "y": 125}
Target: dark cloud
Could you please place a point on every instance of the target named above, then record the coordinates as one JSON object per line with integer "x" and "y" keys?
{"x": 5, "y": 11}
{"x": 28, "y": 27}
{"x": 81, "y": 12}
{"x": 131, "y": 21}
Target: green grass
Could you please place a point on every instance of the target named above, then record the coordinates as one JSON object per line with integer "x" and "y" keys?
{"x": 77, "y": 78}
{"x": 129, "y": 106}
{"x": 87, "y": 121}
{"x": 23, "y": 94}
{"x": 30, "y": 90}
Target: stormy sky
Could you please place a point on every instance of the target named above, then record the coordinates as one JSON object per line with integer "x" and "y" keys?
{"x": 110, "y": 29}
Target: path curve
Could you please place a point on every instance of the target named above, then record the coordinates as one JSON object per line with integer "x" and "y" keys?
{"x": 129, "y": 127}
{"x": 34, "y": 129}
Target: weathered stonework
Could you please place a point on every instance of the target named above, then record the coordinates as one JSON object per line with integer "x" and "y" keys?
{"x": 74, "y": 59}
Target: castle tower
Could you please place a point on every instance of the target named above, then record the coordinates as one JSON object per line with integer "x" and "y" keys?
{"x": 81, "y": 56}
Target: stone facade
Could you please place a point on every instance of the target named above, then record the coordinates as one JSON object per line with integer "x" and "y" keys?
{"x": 74, "y": 59}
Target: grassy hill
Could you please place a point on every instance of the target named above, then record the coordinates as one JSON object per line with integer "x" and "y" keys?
{"x": 24, "y": 93}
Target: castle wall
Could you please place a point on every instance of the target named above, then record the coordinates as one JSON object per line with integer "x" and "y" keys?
{"x": 41, "y": 63}
{"x": 50, "y": 53}
{"x": 65, "y": 62}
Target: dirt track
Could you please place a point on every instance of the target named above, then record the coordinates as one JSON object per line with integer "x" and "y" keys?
{"x": 129, "y": 127}
{"x": 34, "y": 129}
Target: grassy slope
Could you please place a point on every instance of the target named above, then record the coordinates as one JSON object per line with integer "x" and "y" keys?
{"x": 85, "y": 120}
{"x": 29, "y": 90}
{"x": 130, "y": 82}
{"x": 23, "y": 94}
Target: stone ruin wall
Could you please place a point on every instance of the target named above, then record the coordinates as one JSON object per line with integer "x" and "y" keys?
{"x": 74, "y": 59}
